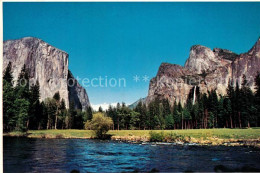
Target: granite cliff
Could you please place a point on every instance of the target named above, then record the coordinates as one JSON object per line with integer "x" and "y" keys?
{"x": 206, "y": 69}
{"x": 46, "y": 64}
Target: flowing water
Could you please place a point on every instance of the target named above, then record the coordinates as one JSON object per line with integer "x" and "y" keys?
{"x": 84, "y": 155}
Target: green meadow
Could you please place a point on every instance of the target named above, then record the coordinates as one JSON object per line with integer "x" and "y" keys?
{"x": 251, "y": 133}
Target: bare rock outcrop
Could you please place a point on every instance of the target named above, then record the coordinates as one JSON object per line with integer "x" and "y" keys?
{"x": 77, "y": 94}
{"x": 208, "y": 69}
{"x": 46, "y": 64}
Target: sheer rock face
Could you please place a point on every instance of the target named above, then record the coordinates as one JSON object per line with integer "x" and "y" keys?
{"x": 208, "y": 69}
{"x": 201, "y": 59}
{"x": 77, "y": 94}
{"x": 47, "y": 64}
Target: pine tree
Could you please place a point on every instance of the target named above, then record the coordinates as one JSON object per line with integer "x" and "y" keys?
{"x": 22, "y": 87}
{"x": 71, "y": 115}
{"x": 8, "y": 77}
{"x": 118, "y": 115}
{"x": 135, "y": 120}
{"x": 8, "y": 107}
{"x": 187, "y": 113}
{"x": 35, "y": 106}
{"x": 78, "y": 119}
{"x": 50, "y": 106}
{"x": 257, "y": 98}
{"x": 161, "y": 116}
{"x": 237, "y": 105}
{"x": 220, "y": 110}
{"x": 199, "y": 121}
{"x": 56, "y": 97}
{"x": 21, "y": 114}
{"x": 231, "y": 102}
{"x": 228, "y": 112}
{"x": 169, "y": 121}
{"x": 175, "y": 115}
{"x": 111, "y": 112}
{"x": 8, "y": 100}
{"x": 22, "y": 100}
{"x": 246, "y": 113}
{"x": 100, "y": 109}
{"x": 63, "y": 113}
{"x": 195, "y": 114}
{"x": 41, "y": 116}
{"x": 166, "y": 107}
{"x": 212, "y": 107}
{"x": 125, "y": 116}
{"x": 153, "y": 114}
{"x": 180, "y": 115}
{"x": 141, "y": 109}
{"x": 90, "y": 113}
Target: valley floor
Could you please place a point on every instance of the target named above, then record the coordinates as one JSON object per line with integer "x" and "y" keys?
{"x": 230, "y": 137}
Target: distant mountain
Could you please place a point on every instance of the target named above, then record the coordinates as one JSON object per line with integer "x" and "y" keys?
{"x": 206, "y": 69}
{"x": 48, "y": 65}
{"x": 133, "y": 105}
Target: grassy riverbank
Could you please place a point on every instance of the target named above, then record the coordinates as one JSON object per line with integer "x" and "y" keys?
{"x": 201, "y": 136}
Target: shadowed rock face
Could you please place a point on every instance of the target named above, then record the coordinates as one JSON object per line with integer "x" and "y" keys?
{"x": 77, "y": 94}
{"x": 208, "y": 69}
{"x": 47, "y": 64}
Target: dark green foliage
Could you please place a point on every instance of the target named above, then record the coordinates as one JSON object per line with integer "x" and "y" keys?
{"x": 257, "y": 98}
{"x": 100, "y": 123}
{"x": 142, "y": 110}
{"x": 21, "y": 114}
{"x": 71, "y": 115}
{"x": 112, "y": 113}
{"x": 8, "y": 77}
{"x": 22, "y": 109}
{"x": 157, "y": 137}
{"x": 8, "y": 106}
{"x": 22, "y": 87}
{"x": 35, "y": 108}
{"x": 16, "y": 100}
{"x": 135, "y": 121}
{"x": 100, "y": 109}
{"x": 62, "y": 114}
{"x": 169, "y": 121}
{"x": 35, "y": 92}
{"x": 79, "y": 120}
{"x": 50, "y": 106}
{"x": 57, "y": 96}
{"x": 89, "y": 113}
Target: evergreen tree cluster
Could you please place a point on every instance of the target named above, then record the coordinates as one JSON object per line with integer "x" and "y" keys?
{"x": 240, "y": 108}
{"x": 23, "y": 110}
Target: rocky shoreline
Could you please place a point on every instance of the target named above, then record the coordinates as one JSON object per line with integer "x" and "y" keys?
{"x": 209, "y": 141}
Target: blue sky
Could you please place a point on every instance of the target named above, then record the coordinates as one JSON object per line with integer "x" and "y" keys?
{"x": 121, "y": 40}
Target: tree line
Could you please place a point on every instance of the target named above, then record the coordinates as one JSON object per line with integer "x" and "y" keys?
{"x": 23, "y": 110}
{"x": 238, "y": 109}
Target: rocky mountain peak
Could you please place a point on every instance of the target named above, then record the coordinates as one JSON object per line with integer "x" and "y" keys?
{"x": 255, "y": 49}
{"x": 206, "y": 69}
{"x": 201, "y": 59}
{"x": 171, "y": 70}
{"x": 47, "y": 64}
{"x": 225, "y": 54}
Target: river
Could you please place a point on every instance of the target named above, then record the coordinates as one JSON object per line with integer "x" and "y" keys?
{"x": 84, "y": 155}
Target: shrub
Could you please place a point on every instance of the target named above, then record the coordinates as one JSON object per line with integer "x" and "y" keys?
{"x": 156, "y": 137}
{"x": 59, "y": 136}
{"x": 87, "y": 125}
{"x": 100, "y": 124}
{"x": 167, "y": 137}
